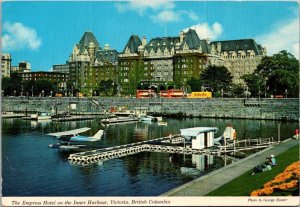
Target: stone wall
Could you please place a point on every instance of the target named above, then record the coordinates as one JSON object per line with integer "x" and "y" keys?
{"x": 276, "y": 109}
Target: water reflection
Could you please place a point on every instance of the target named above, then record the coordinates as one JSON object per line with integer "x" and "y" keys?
{"x": 47, "y": 172}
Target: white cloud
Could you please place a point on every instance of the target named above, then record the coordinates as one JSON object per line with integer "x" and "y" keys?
{"x": 166, "y": 16}
{"x": 17, "y": 36}
{"x": 192, "y": 15}
{"x": 283, "y": 36}
{"x": 205, "y": 31}
{"x": 140, "y": 6}
{"x": 162, "y": 10}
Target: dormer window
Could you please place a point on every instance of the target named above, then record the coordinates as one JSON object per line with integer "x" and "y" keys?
{"x": 185, "y": 47}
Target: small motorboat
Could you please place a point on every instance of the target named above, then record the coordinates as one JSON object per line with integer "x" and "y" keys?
{"x": 147, "y": 118}
{"x": 162, "y": 123}
{"x": 41, "y": 116}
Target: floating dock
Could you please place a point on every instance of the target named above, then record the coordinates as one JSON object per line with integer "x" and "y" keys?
{"x": 156, "y": 145}
{"x": 12, "y": 115}
{"x": 73, "y": 118}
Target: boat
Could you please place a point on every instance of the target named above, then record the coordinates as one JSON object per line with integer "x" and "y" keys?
{"x": 162, "y": 123}
{"x": 41, "y": 116}
{"x": 68, "y": 139}
{"x": 116, "y": 120}
{"x": 147, "y": 118}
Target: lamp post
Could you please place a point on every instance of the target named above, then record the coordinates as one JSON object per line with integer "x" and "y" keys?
{"x": 21, "y": 90}
{"x": 32, "y": 91}
{"x": 51, "y": 92}
{"x": 222, "y": 92}
{"x": 286, "y": 92}
{"x": 43, "y": 93}
{"x": 265, "y": 87}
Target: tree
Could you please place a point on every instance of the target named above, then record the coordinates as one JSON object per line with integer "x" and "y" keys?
{"x": 12, "y": 86}
{"x": 281, "y": 72}
{"x": 237, "y": 90}
{"x": 107, "y": 87}
{"x": 255, "y": 83}
{"x": 195, "y": 84}
{"x": 284, "y": 82}
{"x": 135, "y": 75}
{"x": 43, "y": 87}
{"x": 218, "y": 78}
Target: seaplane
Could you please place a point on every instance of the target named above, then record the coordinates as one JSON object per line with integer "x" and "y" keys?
{"x": 68, "y": 140}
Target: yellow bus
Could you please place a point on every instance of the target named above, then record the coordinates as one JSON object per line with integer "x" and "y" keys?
{"x": 205, "y": 94}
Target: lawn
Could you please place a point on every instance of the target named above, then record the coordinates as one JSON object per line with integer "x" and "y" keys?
{"x": 245, "y": 184}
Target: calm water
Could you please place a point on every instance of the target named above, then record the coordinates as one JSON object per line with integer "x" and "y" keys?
{"x": 30, "y": 168}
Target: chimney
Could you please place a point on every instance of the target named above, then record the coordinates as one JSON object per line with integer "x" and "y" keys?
{"x": 181, "y": 37}
{"x": 144, "y": 41}
{"x": 219, "y": 47}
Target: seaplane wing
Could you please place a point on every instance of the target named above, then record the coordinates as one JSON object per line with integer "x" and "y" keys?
{"x": 70, "y": 132}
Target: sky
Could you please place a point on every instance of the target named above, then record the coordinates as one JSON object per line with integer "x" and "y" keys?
{"x": 44, "y": 33}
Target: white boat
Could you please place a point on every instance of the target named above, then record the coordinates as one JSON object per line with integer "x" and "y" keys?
{"x": 162, "y": 123}
{"x": 41, "y": 116}
{"x": 116, "y": 120}
{"x": 147, "y": 118}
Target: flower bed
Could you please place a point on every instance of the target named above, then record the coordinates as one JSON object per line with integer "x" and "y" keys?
{"x": 286, "y": 182}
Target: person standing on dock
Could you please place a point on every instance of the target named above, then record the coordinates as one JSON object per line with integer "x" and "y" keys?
{"x": 296, "y": 134}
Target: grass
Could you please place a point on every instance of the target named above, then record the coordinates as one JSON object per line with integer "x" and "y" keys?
{"x": 245, "y": 184}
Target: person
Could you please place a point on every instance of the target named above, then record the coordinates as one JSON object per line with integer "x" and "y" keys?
{"x": 296, "y": 136}
{"x": 273, "y": 160}
{"x": 263, "y": 167}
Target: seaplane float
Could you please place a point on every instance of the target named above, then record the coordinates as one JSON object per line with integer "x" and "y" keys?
{"x": 68, "y": 140}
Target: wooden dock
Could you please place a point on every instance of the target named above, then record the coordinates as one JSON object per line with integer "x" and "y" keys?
{"x": 155, "y": 145}
{"x": 11, "y": 115}
{"x": 73, "y": 118}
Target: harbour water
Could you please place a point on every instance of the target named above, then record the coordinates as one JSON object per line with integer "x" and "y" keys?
{"x": 30, "y": 168}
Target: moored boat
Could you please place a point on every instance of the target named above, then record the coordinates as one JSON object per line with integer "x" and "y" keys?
{"x": 162, "y": 123}
{"x": 147, "y": 118}
{"x": 41, "y": 116}
{"x": 116, "y": 120}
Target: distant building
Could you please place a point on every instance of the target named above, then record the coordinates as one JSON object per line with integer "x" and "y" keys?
{"x": 161, "y": 61}
{"x": 104, "y": 68}
{"x": 57, "y": 78}
{"x": 240, "y": 57}
{"x": 191, "y": 57}
{"x": 131, "y": 67}
{"x": 6, "y": 64}
{"x": 89, "y": 64}
{"x": 82, "y": 57}
{"x": 175, "y": 59}
{"x": 61, "y": 68}
{"x": 23, "y": 67}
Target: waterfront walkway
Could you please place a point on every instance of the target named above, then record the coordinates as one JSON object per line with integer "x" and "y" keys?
{"x": 207, "y": 183}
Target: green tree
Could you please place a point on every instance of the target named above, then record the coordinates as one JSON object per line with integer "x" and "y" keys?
{"x": 283, "y": 82}
{"x": 195, "y": 84}
{"x": 45, "y": 86}
{"x": 135, "y": 75}
{"x": 281, "y": 72}
{"x": 237, "y": 90}
{"x": 255, "y": 83}
{"x": 12, "y": 86}
{"x": 218, "y": 78}
{"x": 107, "y": 88}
